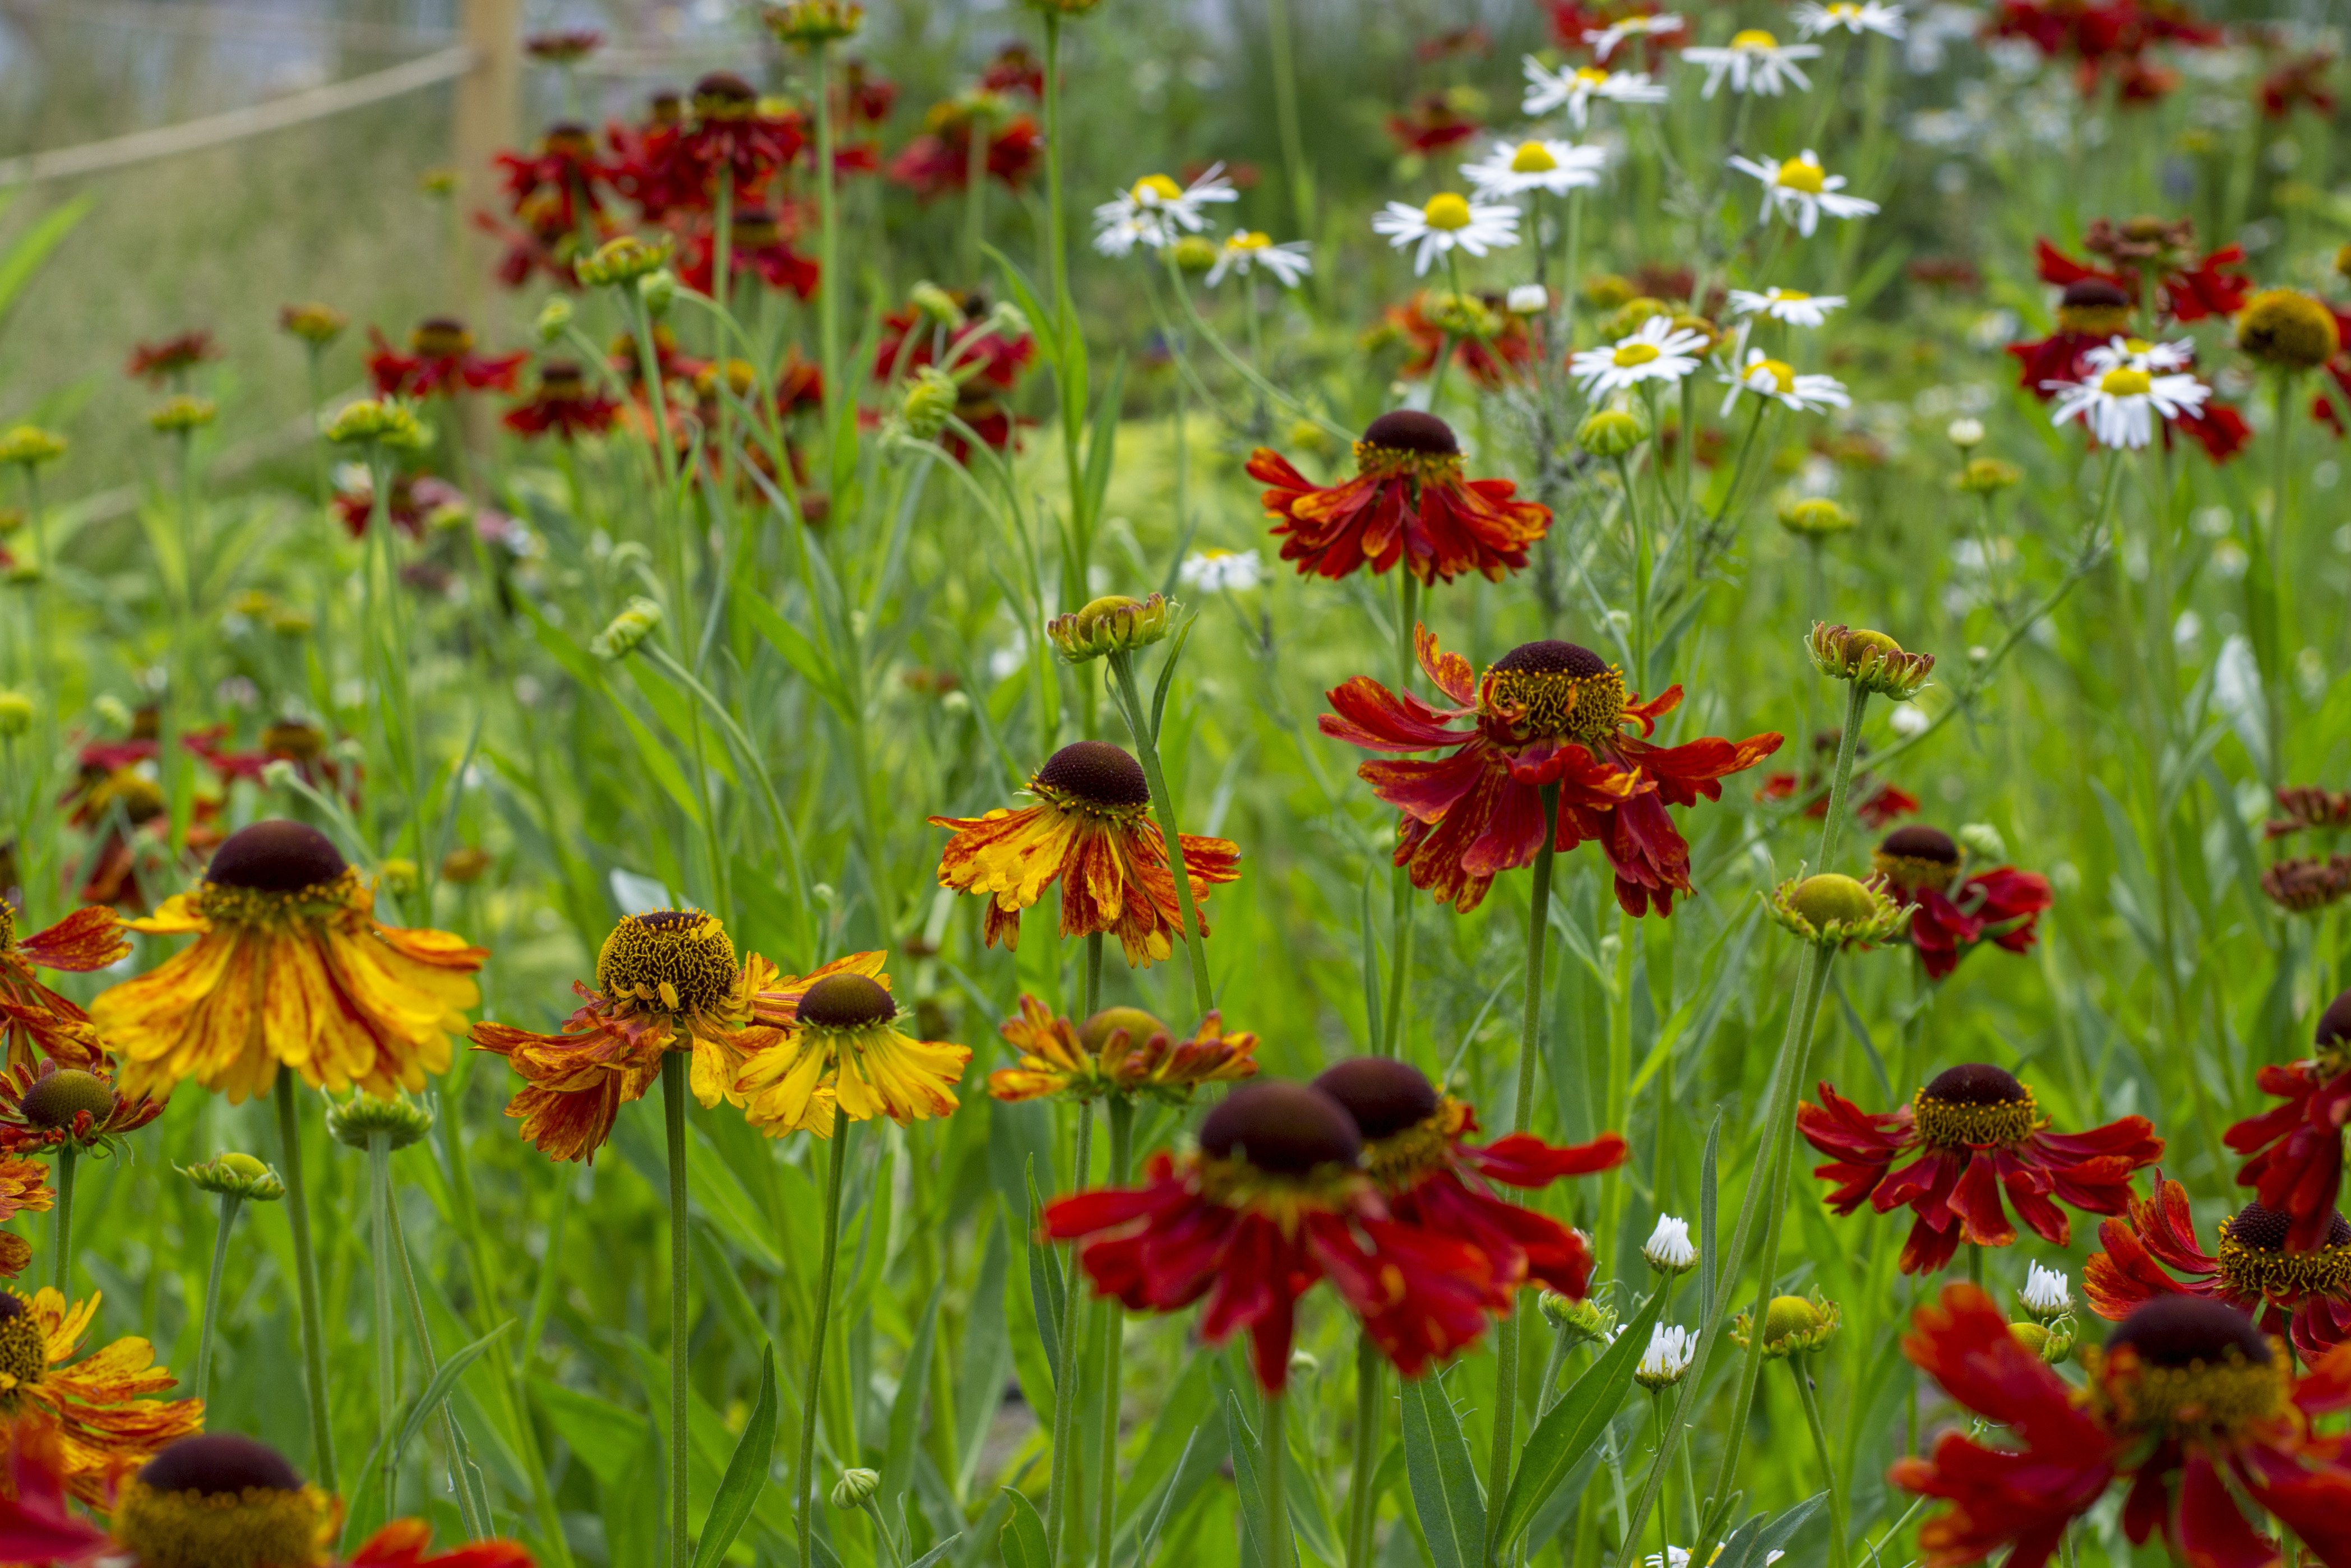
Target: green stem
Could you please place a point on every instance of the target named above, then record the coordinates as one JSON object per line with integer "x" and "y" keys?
{"x": 62, "y": 1240}
{"x": 387, "y": 1370}
{"x": 1276, "y": 1454}
{"x": 306, "y": 1268}
{"x": 1838, "y": 1555}
{"x": 1363, "y": 1452}
{"x": 804, "y": 1474}
{"x": 229, "y": 1203}
{"x": 829, "y": 282}
{"x": 1146, "y": 746}
{"x": 1061, "y": 1512}
{"x": 673, "y": 1096}
{"x": 1122, "y": 1160}
{"x": 1975, "y": 1265}
{"x": 1506, "y": 1376}
{"x": 465, "y": 1476}
{"x": 1089, "y": 997}
{"x": 1399, "y": 877}
{"x": 1282, "y": 48}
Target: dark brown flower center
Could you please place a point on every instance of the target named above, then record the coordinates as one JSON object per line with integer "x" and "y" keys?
{"x": 219, "y": 1463}
{"x": 1552, "y": 689}
{"x": 756, "y": 230}
{"x": 1918, "y": 856}
{"x": 571, "y": 138}
{"x": 725, "y": 95}
{"x": 2255, "y": 1262}
{"x": 562, "y": 381}
{"x": 1385, "y": 1096}
{"x": 1974, "y": 1105}
{"x": 2187, "y": 1330}
{"x": 277, "y": 856}
{"x": 1097, "y": 774}
{"x": 846, "y": 1002}
{"x": 57, "y": 1098}
{"x": 1281, "y": 1129}
{"x": 679, "y": 961}
{"x": 1409, "y": 430}
{"x": 2092, "y": 305}
{"x": 2335, "y": 1024}
{"x": 441, "y": 338}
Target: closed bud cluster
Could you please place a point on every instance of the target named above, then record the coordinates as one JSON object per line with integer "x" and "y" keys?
{"x": 399, "y": 874}
{"x": 386, "y": 420}
{"x": 622, "y": 260}
{"x": 1194, "y": 253}
{"x": 30, "y": 444}
{"x": 1586, "y": 1319}
{"x": 1871, "y": 659}
{"x": 1114, "y": 623}
{"x": 658, "y": 289}
{"x": 1792, "y": 1324}
{"x": 1615, "y": 431}
{"x": 554, "y": 320}
{"x": 855, "y": 1488}
{"x": 1988, "y": 477}
{"x": 931, "y": 398}
{"x": 16, "y": 713}
{"x": 1835, "y": 911}
{"x": 1815, "y": 516}
{"x": 237, "y": 1176}
{"x": 806, "y": 24}
{"x": 363, "y": 1118}
{"x": 317, "y": 325}
{"x": 631, "y": 626}
{"x": 2051, "y": 1342}
{"x": 181, "y": 414}
{"x": 938, "y": 307}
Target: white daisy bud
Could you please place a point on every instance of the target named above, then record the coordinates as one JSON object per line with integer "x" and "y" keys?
{"x": 1667, "y": 1357}
{"x": 1669, "y": 1247}
{"x": 1528, "y": 300}
{"x": 2044, "y": 1294}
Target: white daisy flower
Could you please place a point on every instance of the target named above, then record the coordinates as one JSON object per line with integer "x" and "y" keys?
{"x": 1221, "y": 570}
{"x": 1793, "y": 305}
{"x": 1447, "y": 221}
{"x": 2118, "y": 407}
{"x": 1659, "y": 352}
{"x": 1246, "y": 251}
{"x": 1154, "y": 211}
{"x": 1755, "y": 62}
{"x": 2138, "y": 354}
{"x": 1666, "y": 1357}
{"x": 1678, "y": 1556}
{"x": 1779, "y": 381}
{"x": 1801, "y": 190}
{"x": 1603, "y": 40}
{"x": 1669, "y": 1247}
{"x": 2044, "y": 1294}
{"x": 1573, "y": 88}
{"x": 1515, "y": 168}
{"x": 1527, "y": 299}
{"x": 1855, "y": 17}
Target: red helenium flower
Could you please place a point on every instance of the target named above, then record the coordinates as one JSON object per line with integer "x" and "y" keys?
{"x": 1952, "y": 916}
{"x": 564, "y": 404}
{"x": 1978, "y": 1134}
{"x": 2188, "y": 1401}
{"x": 1546, "y": 714}
{"x": 1408, "y": 502}
{"x": 2254, "y": 1272}
{"x": 440, "y": 358}
{"x": 2297, "y": 1147}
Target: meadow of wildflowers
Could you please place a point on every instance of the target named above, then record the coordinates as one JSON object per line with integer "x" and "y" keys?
{"x": 1562, "y": 786}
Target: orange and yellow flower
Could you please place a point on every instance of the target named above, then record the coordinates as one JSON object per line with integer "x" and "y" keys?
{"x": 1119, "y": 1051}
{"x": 290, "y": 968}
{"x": 36, "y": 1018}
{"x": 667, "y": 980}
{"x": 1092, "y": 832}
{"x": 105, "y": 1422}
{"x": 834, "y": 1046}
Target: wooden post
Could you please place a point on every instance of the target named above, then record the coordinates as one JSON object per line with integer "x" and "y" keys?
{"x": 486, "y": 122}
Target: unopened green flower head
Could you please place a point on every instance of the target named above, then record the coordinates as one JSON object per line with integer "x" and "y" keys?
{"x": 1114, "y": 623}
{"x": 1462, "y": 315}
{"x": 1871, "y": 659}
{"x": 398, "y": 873}
{"x": 386, "y": 420}
{"x": 1988, "y": 477}
{"x": 2051, "y": 1342}
{"x": 30, "y": 444}
{"x": 1835, "y": 911}
{"x": 622, "y": 260}
{"x": 805, "y": 24}
{"x": 317, "y": 325}
{"x": 1586, "y": 1318}
{"x": 931, "y": 399}
{"x": 1193, "y": 254}
{"x": 938, "y": 307}
{"x": 1790, "y": 1325}
{"x": 1613, "y": 432}
{"x": 1815, "y": 516}
{"x": 237, "y": 1176}
{"x": 180, "y": 414}
{"x": 363, "y": 1118}
{"x": 2288, "y": 329}
{"x": 1627, "y": 319}
{"x": 631, "y": 626}
{"x": 16, "y": 713}
{"x": 1006, "y": 321}
{"x": 554, "y": 320}
{"x": 855, "y": 1488}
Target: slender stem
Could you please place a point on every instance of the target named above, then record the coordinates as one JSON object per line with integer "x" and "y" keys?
{"x": 1400, "y": 877}
{"x": 306, "y": 1268}
{"x": 1643, "y": 562}
{"x": 674, "y": 1093}
{"x": 2268, "y": 634}
{"x": 229, "y": 1202}
{"x": 1798, "y": 1366}
{"x": 1061, "y": 1512}
{"x": 463, "y": 1475}
{"x": 1146, "y": 746}
{"x": 831, "y": 284}
{"x": 1363, "y": 1456}
{"x": 975, "y": 193}
{"x": 1277, "y": 1456}
{"x": 804, "y": 1475}
{"x": 1282, "y": 48}
{"x": 1506, "y": 1376}
{"x": 386, "y": 1370}
{"x": 1121, "y": 1160}
{"x": 1841, "y": 781}
{"x": 61, "y": 1239}
{"x": 1975, "y": 1265}
{"x": 1089, "y": 997}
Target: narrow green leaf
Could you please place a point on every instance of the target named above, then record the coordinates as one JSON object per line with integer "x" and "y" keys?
{"x": 1575, "y": 1422}
{"x": 1045, "y": 1284}
{"x": 907, "y": 1409}
{"x": 986, "y": 1360}
{"x": 747, "y": 1474}
{"x": 1250, "y": 1491}
{"x": 23, "y": 258}
{"x": 1022, "y": 1540}
{"x": 1446, "y": 1495}
{"x": 442, "y": 1382}
{"x": 938, "y": 1553}
{"x": 1707, "y": 1204}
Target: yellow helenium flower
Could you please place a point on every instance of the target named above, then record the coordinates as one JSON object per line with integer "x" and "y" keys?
{"x": 1119, "y": 1051}
{"x": 841, "y": 1049}
{"x": 104, "y": 1423}
{"x": 290, "y": 968}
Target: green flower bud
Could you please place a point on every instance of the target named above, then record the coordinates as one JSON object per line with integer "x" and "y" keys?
{"x": 1194, "y": 253}
{"x": 1792, "y": 1324}
{"x": 1871, "y": 659}
{"x": 622, "y": 260}
{"x": 931, "y": 399}
{"x": 1611, "y": 432}
{"x": 1988, "y": 477}
{"x": 1112, "y": 624}
{"x": 237, "y": 1176}
{"x": 181, "y": 415}
{"x": 1835, "y": 911}
{"x": 554, "y": 320}
{"x": 1585, "y": 1320}
{"x": 386, "y": 420}
{"x": 622, "y": 634}
{"x": 362, "y": 1118}
{"x": 807, "y": 24}
{"x": 856, "y": 1487}
{"x": 30, "y": 445}
{"x": 658, "y": 289}
{"x": 16, "y": 713}
{"x": 1815, "y": 516}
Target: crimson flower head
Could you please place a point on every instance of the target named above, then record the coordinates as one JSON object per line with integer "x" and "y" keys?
{"x": 2301, "y": 79}
{"x": 727, "y": 133}
{"x": 1434, "y": 122}
{"x": 2297, "y": 1147}
{"x": 1873, "y": 803}
{"x": 2255, "y": 1269}
{"x": 758, "y": 246}
{"x": 1273, "y": 1200}
{"x": 552, "y": 187}
{"x": 1493, "y": 346}
{"x": 2190, "y": 285}
{"x": 564, "y": 406}
{"x": 563, "y": 45}
{"x": 1409, "y": 502}
{"x": 1417, "y": 1145}
{"x": 2187, "y": 1401}
{"x": 1015, "y": 68}
{"x": 440, "y": 360}
{"x": 1977, "y": 1135}
{"x": 1953, "y": 917}
{"x": 1547, "y": 713}
{"x": 938, "y": 162}
{"x": 171, "y": 358}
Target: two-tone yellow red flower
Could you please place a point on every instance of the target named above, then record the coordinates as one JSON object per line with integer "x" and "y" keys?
{"x": 1119, "y": 1051}
{"x": 667, "y": 980}
{"x": 836, "y": 1047}
{"x": 290, "y": 968}
{"x": 1092, "y": 832}
{"x": 105, "y": 1422}
{"x": 36, "y": 1018}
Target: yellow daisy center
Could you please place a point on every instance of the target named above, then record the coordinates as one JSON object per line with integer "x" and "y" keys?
{"x": 1753, "y": 38}
{"x": 1154, "y": 189}
{"x": 1533, "y": 157}
{"x": 2124, "y": 381}
{"x": 1631, "y": 354}
{"x": 1782, "y": 374}
{"x": 1445, "y": 210}
{"x": 1787, "y": 296}
{"x": 1844, "y": 11}
{"x": 1590, "y": 76}
{"x": 681, "y": 960}
{"x": 1802, "y": 174}
{"x": 1252, "y": 240}
{"x": 2138, "y": 345}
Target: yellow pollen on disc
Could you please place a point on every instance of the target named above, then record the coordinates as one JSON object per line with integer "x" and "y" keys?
{"x": 1533, "y": 157}
{"x": 1152, "y": 189}
{"x": 2138, "y": 345}
{"x": 1445, "y": 210}
{"x": 1252, "y": 240}
{"x": 1796, "y": 174}
{"x": 1753, "y": 38}
{"x": 1782, "y": 374}
{"x": 1590, "y": 76}
{"x": 1633, "y": 354}
{"x": 2125, "y": 382}
{"x": 1844, "y": 10}
{"x": 1789, "y": 296}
